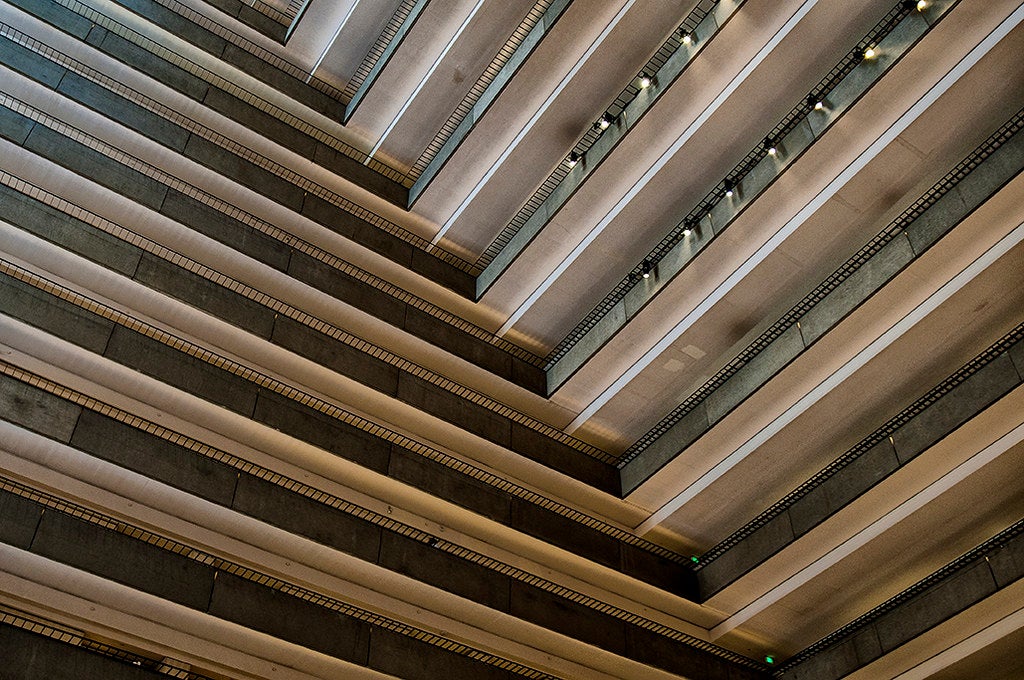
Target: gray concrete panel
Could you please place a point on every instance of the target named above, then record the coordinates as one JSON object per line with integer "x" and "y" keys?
{"x": 118, "y": 557}
{"x": 96, "y": 166}
{"x": 658, "y": 571}
{"x": 336, "y": 355}
{"x": 46, "y": 312}
{"x": 321, "y": 430}
{"x": 1007, "y": 561}
{"x": 848, "y": 90}
{"x": 453, "y": 408}
{"x": 764, "y": 542}
{"x": 224, "y": 229}
{"x": 646, "y": 289}
{"x": 657, "y": 650}
{"x": 34, "y": 409}
{"x": 19, "y": 518}
{"x": 229, "y": 7}
{"x": 565, "y": 533}
{"x": 408, "y": 658}
{"x": 936, "y": 604}
{"x": 851, "y": 481}
{"x": 304, "y": 516}
{"x": 445, "y": 483}
{"x": 289, "y": 618}
{"x": 181, "y": 370}
{"x": 665, "y": 448}
{"x": 1016, "y": 353}
{"x": 439, "y": 271}
{"x": 69, "y": 232}
{"x": 1001, "y": 166}
{"x": 120, "y": 110}
{"x": 289, "y": 85}
{"x": 742, "y": 672}
{"x": 861, "y": 285}
{"x": 29, "y": 656}
{"x": 935, "y": 222}
{"x": 177, "y": 25}
{"x": 96, "y": 35}
{"x": 262, "y": 23}
{"x": 146, "y": 62}
{"x": 352, "y": 169}
{"x": 334, "y": 218}
{"x": 841, "y": 659}
{"x": 154, "y": 457}
{"x": 564, "y": 458}
{"x": 348, "y": 289}
{"x": 556, "y": 613}
{"x": 227, "y": 305}
{"x": 14, "y": 126}
{"x": 759, "y": 177}
{"x": 955, "y": 408}
{"x": 472, "y": 349}
{"x": 29, "y": 63}
{"x": 428, "y": 564}
{"x": 258, "y": 120}
{"x": 754, "y": 374}
{"x": 244, "y": 172}
{"x": 528, "y": 376}
{"x": 798, "y": 139}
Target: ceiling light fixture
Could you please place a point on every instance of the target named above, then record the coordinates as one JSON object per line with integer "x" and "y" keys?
{"x": 603, "y": 123}
{"x": 574, "y": 158}
{"x": 728, "y": 188}
{"x": 646, "y": 269}
{"x": 870, "y": 53}
{"x": 686, "y": 38}
{"x": 922, "y": 5}
{"x": 645, "y": 81}
{"x": 688, "y": 228}
{"x": 815, "y": 103}
{"x": 769, "y": 146}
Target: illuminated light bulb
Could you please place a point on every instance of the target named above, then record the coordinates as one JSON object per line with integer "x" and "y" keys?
{"x": 604, "y": 122}
{"x": 728, "y": 188}
{"x": 769, "y": 659}
{"x": 646, "y": 269}
{"x": 870, "y": 53}
{"x": 645, "y": 81}
{"x": 574, "y": 158}
{"x": 770, "y": 147}
{"x": 819, "y": 105}
{"x": 687, "y": 38}
{"x": 922, "y": 5}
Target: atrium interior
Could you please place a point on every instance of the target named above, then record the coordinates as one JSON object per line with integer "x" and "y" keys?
{"x": 462, "y": 339}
